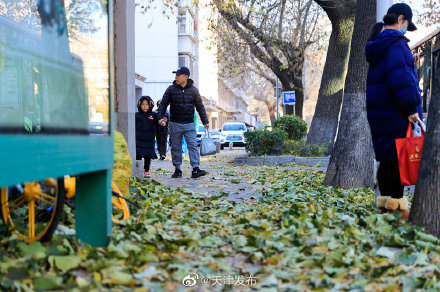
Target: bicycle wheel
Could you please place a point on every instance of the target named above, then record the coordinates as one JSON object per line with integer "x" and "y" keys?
{"x": 32, "y": 210}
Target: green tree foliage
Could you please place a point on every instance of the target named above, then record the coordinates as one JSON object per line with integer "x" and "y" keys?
{"x": 264, "y": 142}
{"x": 299, "y": 148}
{"x": 295, "y": 127}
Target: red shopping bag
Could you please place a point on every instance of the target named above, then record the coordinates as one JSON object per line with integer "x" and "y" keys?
{"x": 409, "y": 154}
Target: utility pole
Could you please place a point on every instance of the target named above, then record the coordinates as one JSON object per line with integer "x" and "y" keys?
{"x": 382, "y": 8}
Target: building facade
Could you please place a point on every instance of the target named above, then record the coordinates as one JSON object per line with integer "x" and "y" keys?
{"x": 164, "y": 44}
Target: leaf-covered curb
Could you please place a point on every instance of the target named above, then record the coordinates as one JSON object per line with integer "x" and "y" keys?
{"x": 297, "y": 234}
{"x": 281, "y": 160}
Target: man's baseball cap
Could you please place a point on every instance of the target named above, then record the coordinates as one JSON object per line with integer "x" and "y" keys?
{"x": 182, "y": 70}
{"x": 405, "y": 10}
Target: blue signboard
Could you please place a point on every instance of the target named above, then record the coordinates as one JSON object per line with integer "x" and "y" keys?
{"x": 289, "y": 97}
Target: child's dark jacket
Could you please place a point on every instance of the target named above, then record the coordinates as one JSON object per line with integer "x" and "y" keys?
{"x": 145, "y": 134}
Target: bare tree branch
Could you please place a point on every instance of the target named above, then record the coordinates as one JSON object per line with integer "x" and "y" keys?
{"x": 280, "y": 24}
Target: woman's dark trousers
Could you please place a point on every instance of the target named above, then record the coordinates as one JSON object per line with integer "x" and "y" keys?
{"x": 388, "y": 178}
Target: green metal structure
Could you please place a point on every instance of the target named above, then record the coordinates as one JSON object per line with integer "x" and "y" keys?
{"x": 50, "y": 95}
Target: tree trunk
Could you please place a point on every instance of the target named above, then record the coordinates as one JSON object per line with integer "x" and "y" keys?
{"x": 272, "y": 109}
{"x": 288, "y": 109}
{"x": 293, "y": 82}
{"x": 426, "y": 201}
{"x": 299, "y": 94}
{"x": 351, "y": 163}
{"x": 325, "y": 120}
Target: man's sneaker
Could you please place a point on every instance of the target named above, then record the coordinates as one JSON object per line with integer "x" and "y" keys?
{"x": 162, "y": 157}
{"x": 147, "y": 174}
{"x": 177, "y": 173}
{"x": 197, "y": 172}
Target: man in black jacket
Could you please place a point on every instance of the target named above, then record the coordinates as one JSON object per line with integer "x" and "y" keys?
{"x": 182, "y": 97}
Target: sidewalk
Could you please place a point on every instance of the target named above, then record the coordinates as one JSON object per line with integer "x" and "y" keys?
{"x": 222, "y": 178}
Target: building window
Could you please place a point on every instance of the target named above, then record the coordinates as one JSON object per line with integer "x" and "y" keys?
{"x": 182, "y": 61}
{"x": 186, "y": 22}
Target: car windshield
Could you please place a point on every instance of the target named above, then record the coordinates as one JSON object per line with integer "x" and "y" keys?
{"x": 201, "y": 129}
{"x": 215, "y": 132}
{"x": 234, "y": 127}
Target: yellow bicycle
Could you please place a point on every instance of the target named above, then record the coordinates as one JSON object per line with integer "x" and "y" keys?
{"x": 33, "y": 210}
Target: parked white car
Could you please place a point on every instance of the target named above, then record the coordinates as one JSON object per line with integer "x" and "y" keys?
{"x": 233, "y": 132}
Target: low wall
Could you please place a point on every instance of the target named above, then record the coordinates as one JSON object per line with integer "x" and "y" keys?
{"x": 284, "y": 159}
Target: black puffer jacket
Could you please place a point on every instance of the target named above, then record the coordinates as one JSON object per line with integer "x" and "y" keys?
{"x": 182, "y": 102}
{"x": 145, "y": 134}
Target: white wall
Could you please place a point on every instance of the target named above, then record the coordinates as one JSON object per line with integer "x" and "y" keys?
{"x": 186, "y": 45}
{"x": 208, "y": 66}
{"x": 155, "y": 90}
{"x": 156, "y": 47}
{"x": 382, "y": 8}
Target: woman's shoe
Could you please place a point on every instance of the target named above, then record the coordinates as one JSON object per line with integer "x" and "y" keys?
{"x": 396, "y": 204}
{"x": 380, "y": 203}
{"x": 147, "y": 174}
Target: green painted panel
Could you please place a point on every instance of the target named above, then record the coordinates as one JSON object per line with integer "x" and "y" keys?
{"x": 56, "y": 81}
{"x": 28, "y": 158}
{"x": 93, "y": 207}
{"x": 54, "y": 66}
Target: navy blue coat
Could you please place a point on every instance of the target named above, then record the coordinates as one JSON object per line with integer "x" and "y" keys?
{"x": 393, "y": 92}
{"x": 145, "y": 134}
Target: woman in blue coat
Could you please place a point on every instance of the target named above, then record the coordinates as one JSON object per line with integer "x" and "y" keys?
{"x": 145, "y": 120}
{"x": 393, "y": 97}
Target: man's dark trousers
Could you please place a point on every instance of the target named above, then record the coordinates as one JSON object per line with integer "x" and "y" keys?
{"x": 162, "y": 139}
{"x": 188, "y": 130}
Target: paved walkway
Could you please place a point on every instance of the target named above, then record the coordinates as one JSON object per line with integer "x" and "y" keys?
{"x": 222, "y": 178}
